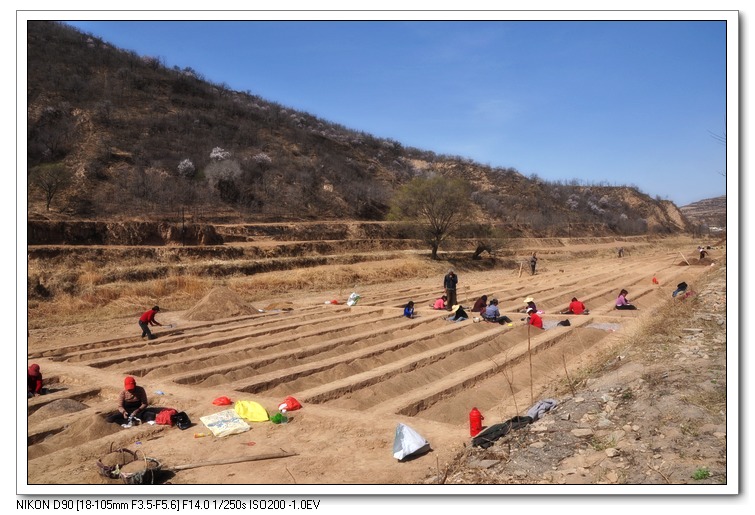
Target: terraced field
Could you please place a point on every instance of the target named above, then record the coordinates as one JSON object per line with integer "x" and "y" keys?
{"x": 363, "y": 366}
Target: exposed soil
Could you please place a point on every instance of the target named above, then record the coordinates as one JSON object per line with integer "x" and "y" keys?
{"x": 636, "y": 405}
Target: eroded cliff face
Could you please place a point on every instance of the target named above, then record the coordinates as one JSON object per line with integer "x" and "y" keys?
{"x": 42, "y": 232}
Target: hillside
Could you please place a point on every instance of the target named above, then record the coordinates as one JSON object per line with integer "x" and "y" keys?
{"x": 709, "y": 212}
{"x": 113, "y": 135}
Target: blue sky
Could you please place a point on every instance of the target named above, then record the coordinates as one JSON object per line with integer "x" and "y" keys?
{"x": 622, "y": 102}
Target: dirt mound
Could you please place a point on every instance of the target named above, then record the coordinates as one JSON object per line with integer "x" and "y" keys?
{"x": 283, "y": 306}
{"x": 58, "y": 407}
{"x": 220, "y": 303}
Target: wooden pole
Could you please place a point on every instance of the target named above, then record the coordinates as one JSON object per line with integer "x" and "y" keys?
{"x": 529, "y": 352}
{"x": 520, "y": 268}
{"x": 685, "y": 259}
{"x": 228, "y": 461}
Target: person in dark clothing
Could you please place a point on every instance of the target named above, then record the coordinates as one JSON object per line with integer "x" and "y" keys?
{"x": 147, "y": 319}
{"x": 457, "y": 313}
{"x": 480, "y": 304}
{"x": 132, "y": 401}
{"x": 533, "y": 262}
{"x": 529, "y": 302}
{"x": 449, "y": 284}
{"x": 680, "y": 288}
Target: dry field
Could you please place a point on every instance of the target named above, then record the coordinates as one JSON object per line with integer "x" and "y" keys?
{"x": 358, "y": 371}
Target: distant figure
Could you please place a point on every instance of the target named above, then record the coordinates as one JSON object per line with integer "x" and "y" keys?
{"x": 480, "y": 304}
{"x": 621, "y": 252}
{"x": 132, "y": 401}
{"x": 622, "y": 302}
{"x": 493, "y": 314}
{"x": 534, "y": 319}
{"x": 680, "y": 288}
{"x": 409, "y": 309}
{"x": 440, "y": 303}
{"x": 34, "y": 381}
{"x": 449, "y": 284}
{"x": 655, "y": 280}
{"x": 533, "y": 262}
{"x": 457, "y": 313}
{"x": 147, "y": 319}
{"x": 576, "y": 307}
{"x": 703, "y": 253}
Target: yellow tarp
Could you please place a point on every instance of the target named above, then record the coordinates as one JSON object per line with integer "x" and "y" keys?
{"x": 252, "y": 411}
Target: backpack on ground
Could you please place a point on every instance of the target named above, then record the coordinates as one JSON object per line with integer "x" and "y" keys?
{"x": 181, "y": 420}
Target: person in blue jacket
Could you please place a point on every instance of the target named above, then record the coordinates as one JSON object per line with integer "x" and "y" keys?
{"x": 409, "y": 309}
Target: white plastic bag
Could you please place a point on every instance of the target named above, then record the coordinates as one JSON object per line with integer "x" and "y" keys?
{"x": 353, "y": 299}
{"x": 408, "y": 442}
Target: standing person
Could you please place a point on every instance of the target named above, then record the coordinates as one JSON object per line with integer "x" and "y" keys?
{"x": 576, "y": 307}
{"x": 622, "y": 302}
{"x": 147, "y": 319}
{"x": 621, "y": 252}
{"x": 533, "y": 262}
{"x": 33, "y": 381}
{"x": 132, "y": 401}
{"x": 534, "y": 319}
{"x": 480, "y": 304}
{"x": 409, "y": 309}
{"x": 449, "y": 284}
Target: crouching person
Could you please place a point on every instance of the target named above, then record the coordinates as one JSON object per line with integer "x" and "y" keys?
{"x": 132, "y": 401}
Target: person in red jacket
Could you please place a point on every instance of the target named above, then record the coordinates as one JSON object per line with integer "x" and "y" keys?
{"x": 34, "y": 381}
{"x": 534, "y": 319}
{"x": 576, "y": 307}
{"x": 147, "y": 319}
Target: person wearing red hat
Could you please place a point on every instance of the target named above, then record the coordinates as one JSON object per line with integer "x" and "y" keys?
{"x": 132, "y": 401}
{"x": 147, "y": 319}
{"x": 33, "y": 381}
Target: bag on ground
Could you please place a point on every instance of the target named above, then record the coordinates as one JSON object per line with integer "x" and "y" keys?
{"x": 181, "y": 420}
{"x": 289, "y": 404}
{"x": 408, "y": 443}
{"x": 252, "y": 411}
{"x": 165, "y": 417}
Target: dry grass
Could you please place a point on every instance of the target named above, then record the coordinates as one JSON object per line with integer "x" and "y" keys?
{"x": 86, "y": 296}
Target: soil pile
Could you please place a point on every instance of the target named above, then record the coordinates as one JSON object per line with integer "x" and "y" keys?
{"x": 55, "y": 408}
{"x": 220, "y": 303}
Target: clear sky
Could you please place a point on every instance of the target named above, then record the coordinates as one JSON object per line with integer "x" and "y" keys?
{"x": 624, "y": 102}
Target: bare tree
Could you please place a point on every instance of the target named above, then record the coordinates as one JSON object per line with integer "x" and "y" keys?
{"x": 435, "y": 204}
{"x": 50, "y": 179}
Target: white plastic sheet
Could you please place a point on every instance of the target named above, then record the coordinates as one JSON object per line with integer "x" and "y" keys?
{"x": 408, "y": 442}
{"x": 225, "y": 423}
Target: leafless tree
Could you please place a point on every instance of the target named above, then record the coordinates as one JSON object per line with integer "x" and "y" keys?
{"x": 436, "y": 205}
{"x": 50, "y": 179}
